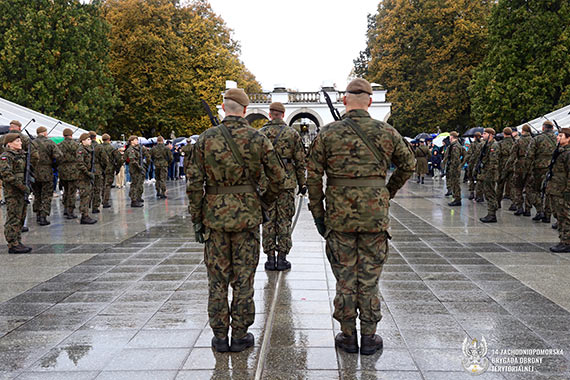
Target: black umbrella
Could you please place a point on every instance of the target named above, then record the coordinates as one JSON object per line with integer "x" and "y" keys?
{"x": 471, "y": 132}
{"x": 4, "y": 129}
{"x": 423, "y": 135}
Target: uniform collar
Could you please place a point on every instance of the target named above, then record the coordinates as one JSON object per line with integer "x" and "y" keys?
{"x": 356, "y": 113}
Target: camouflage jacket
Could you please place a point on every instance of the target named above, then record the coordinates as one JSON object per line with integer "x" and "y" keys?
{"x": 490, "y": 162}
{"x": 186, "y": 151}
{"x": 290, "y": 149}
{"x": 67, "y": 169}
{"x": 114, "y": 157}
{"x": 12, "y": 171}
{"x": 559, "y": 184}
{"x": 84, "y": 160}
{"x": 540, "y": 150}
{"x": 455, "y": 156}
{"x": 48, "y": 156}
{"x": 474, "y": 152}
{"x": 102, "y": 159}
{"x": 161, "y": 155}
{"x": 213, "y": 164}
{"x": 25, "y": 141}
{"x": 517, "y": 159}
{"x": 505, "y": 148}
{"x": 338, "y": 152}
{"x": 132, "y": 156}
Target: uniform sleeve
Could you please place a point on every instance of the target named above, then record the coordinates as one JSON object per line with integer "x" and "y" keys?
{"x": 299, "y": 161}
{"x": 195, "y": 183}
{"x": 531, "y": 152}
{"x": 81, "y": 165}
{"x": 133, "y": 160}
{"x": 274, "y": 171}
{"x": 56, "y": 154}
{"x": 6, "y": 172}
{"x": 405, "y": 162}
{"x": 316, "y": 166}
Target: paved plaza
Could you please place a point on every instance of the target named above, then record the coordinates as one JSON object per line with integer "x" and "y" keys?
{"x": 126, "y": 298}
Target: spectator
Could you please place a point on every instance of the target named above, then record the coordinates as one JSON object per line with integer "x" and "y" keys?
{"x": 435, "y": 161}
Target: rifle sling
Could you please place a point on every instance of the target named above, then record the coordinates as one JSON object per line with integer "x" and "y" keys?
{"x": 356, "y": 128}
{"x": 278, "y": 135}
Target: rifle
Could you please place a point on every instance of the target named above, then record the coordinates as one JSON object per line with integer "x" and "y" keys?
{"x": 555, "y": 155}
{"x": 93, "y": 167}
{"x": 334, "y": 111}
{"x": 213, "y": 119}
{"x": 28, "y": 176}
{"x": 141, "y": 158}
{"x": 479, "y": 166}
{"x": 52, "y": 128}
{"x": 24, "y": 129}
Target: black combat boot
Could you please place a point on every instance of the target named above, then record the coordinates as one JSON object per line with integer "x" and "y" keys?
{"x": 526, "y": 213}
{"x": 282, "y": 263}
{"x": 422, "y": 180}
{"x": 20, "y": 248}
{"x": 136, "y": 204}
{"x": 70, "y": 215}
{"x": 448, "y": 193}
{"x": 519, "y": 211}
{"x": 106, "y": 205}
{"x": 86, "y": 219}
{"x": 95, "y": 211}
{"x": 25, "y": 229}
{"x": 513, "y": 207}
{"x": 271, "y": 264}
{"x": 238, "y": 345}
{"x": 498, "y": 205}
{"x": 560, "y": 247}
{"x": 456, "y": 202}
{"x": 38, "y": 218}
{"x": 471, "y": 196}
{"x": 554, "y": 226}
{"x": 369, "y": 344}
{"x": 545, "y": 219}
{"x": 43, "y": 221}
{"x": 418, "y": 181}
{"x": 489, "y": 219}
{"x": 538, "y": 217}
{"x": 479, "y": 200}
{"x": 347, "y": 343}
{"x": 221, "y": 345}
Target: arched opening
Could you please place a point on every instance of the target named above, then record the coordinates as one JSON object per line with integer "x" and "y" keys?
{"x": 306, "y": 123}
{"x": 257, "y": 119}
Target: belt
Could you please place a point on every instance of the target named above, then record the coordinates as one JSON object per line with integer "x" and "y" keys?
{"x": 357, "y": 182}
{"x": 230, "y": 189}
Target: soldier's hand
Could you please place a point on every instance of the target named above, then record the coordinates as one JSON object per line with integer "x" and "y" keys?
{"x": 320, "y": 223}
{"x": 199, "y": 232}
{"x": 24, "y": 188}
{"x": 302, "y": 190}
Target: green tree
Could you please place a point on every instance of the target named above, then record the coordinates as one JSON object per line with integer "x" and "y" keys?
{"x": 526, "y": 72}
{"x": 54, "y": 59}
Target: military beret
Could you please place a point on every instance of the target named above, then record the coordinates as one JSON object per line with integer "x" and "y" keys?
{"x": 276, "y": 106}
{"x": 490, "y": 131}
{"x": 548, "y": 124}
{"x": 526, "y": 128}
{"x": 10, "y": 137}
{"x": 41, "y": 130}
{"x": 477, "y": 134}
{"x": 67, "y": 132}
{"x": 160, "y": 139}
{"x": 16, "y": 122}
{"x": 507, "y": 131}
{"x": 566, "y": 131}
{"x": 84, "y": 136}
{"x": 93, "y": 134}
{"x": 106, "y": 137}
{"x": 237, "y": 95}
{"x": 454, "y": 134}
{"x": 358, "y": 86}
{"x": 133, "y": 137}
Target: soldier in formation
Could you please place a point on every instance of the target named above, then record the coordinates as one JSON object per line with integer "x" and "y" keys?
{"x": 86, "y": 177}
{"x": 135, "y": 158}
{"x": 115, "y": 161}
{"x": 68, "y": 172}
{"x": 101, "y": 162}
{"x": 422, "y": 157}
{"x": 356, "y": 231}
{"x": 186, "y": 152}
{"x": 506, "y": 171}
{"x": 488, "y": 173}
{"x": 162, "y": 157}
{"x": 558, "y": 189}
{"x": 474, "y": 152}
{"x": 227, "y": 218}
{"x": 455, "y": 155}
{"x": 289, "y": 147}
{"x": 521, "y": 177}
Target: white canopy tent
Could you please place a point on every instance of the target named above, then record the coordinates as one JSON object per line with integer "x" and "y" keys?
{"x": 11, "y": 111}
{"x": 561, "y": 116}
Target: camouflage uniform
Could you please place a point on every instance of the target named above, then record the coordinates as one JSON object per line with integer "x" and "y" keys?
{"x": 186, "y": 151}
{"x": 558, "y": 188}
{"x": 474, "y": 152}
{"x": 490, "y": 174}
{"x": 231, "y": 219}
{"x": 162, "y": 157}
{"x": 356, "y": 216}
{"x": 115, "y": 163}
{"x": 453, "y": 170}
{"x": 49, "y": 155}
{"x": 505, "y": 168}
{"x": 25, "y": 140}
{"x": 68, "y": 174}
{"x": 539, "y": 154}
{"x": 86, "y": 177}
{"x": 289, "y": 147}
{"x": 137, "y": 171}
{"x": 521, "y": 176}
{"x": 12, "y": 172}
{"x": 102, "y": 163}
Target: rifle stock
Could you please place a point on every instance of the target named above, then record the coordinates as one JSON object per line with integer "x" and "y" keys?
{"x": 334, "y": 111}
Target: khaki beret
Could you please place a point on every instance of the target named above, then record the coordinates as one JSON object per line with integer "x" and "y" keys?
{"x": 477, "y": 134}
{"x": 16, "y": 122}
{"x": 548, "y": 124}
{"x": 10, "y": 137}
{"x": 41, "y": 130}
{"x": 67, "y": 132}
{"x": 358, "y": 86}
{"x": 454, "y": 134}
{"x": 106, "y": 137}
{"x": 160, "y": 139}
{"x": 276, "y": 106}
{"x": 133, "y": 137}
{"x": 507, "y": 131}
{"x": 92, "y": 134}
{"x": 84, "y": 136}
{"x": 490, "y": 131}
{"x": 237, "y": 95}
{"x": 526, "y": 128}
{"x": 566, "y": 131}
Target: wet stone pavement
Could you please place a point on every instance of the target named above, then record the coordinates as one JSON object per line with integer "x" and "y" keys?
{"x": 136, "y": 308}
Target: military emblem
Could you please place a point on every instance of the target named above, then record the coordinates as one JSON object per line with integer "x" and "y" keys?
{"x": 474, "y": 356}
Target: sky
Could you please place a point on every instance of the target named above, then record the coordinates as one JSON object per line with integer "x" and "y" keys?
{"x": 298, "y": 43}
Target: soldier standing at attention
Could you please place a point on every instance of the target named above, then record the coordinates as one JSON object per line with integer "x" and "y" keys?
{"x": 355, "y": 220}
{"x": 227, "y": 217}
{"x": 67, "y": 171}
{"x": 505, "y": 167}
{"x": 186, "y": 152}
{"x": 162, "y": 157}
{"x": 137, "y": 171}
{"x": 489, "y": 174}
{"x": 422, "y": 157}
{"x": 16, "y": 127}
{"x": 288, "y": 145}
{"x": 86, "y": 177}
{"x": 454, "y": 164}
{"x": 113, "y": 166}
{"x": 49, "y": 156}
{"x": 521, "y": 176}
{"x": 474, "y": 185}
{"x": 559, "y": 190}
{"x": 102, "y": 162}
{"x": 12, "y": 172}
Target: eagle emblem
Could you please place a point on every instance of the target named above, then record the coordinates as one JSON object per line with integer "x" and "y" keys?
{"x": 474, "y": 356}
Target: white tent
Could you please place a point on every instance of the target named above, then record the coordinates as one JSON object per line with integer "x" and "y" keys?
{"x": 561, "y": 116}
{"x": 11, "y": 111}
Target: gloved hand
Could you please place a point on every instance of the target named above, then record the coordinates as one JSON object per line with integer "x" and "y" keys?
{"x": 320, "y": 223}
{"x": 199, "y": 232}
{"x": 302, "y": 190}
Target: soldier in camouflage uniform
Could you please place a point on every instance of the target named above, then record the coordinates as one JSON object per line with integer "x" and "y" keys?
{"x": 558, "y": 188}
{"x": 475, "y": 151}
{"x": 505, "y": 167}
{"x": 68, "y": 174}
{"x": 16, "y": 127}
{"x": 86, "y": 177}
{"x": 115, "y": 161}
{"x": 162, "y": 157}
{"x": 456, "y": 153}
{"x": 422, "y": 157}
{"x": 288, "y": 145}
{"x": 102, "y": 163}
{"x": 521, "y": 178}
{"x": 228, "y": 215}
{"x": 48, "y": 156}
{"x": 133, "y": 158}
{"x": 12, "y": 172}
{"x": 489, "y": 174}
{"x": 355, "y": 220}
{"x": 539, "y": 154}
{"x": 186, "y": 152}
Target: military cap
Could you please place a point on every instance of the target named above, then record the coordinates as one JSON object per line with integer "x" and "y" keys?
{"x": 160, "y": 139}
{"x": 276, "y": 106}
{"x": 106, "y": 137}
{"x": 237, "y": 95}
{"x": 477, "y": 134}
{"x": 566, "y": 131}
{"x": 358, "y": 86}
{"x": 454, "y": 134}
{"x": 507, "y": 131}
{"x": 548, "y": 124}
{"x": 92, "y": 134}
{"x": 133, "y": 137}
{"x": 490, "y": 131}
{"x": 16, "y": 122}
{"x": 526, "y": 128}
{"x": 10, "y": 137}
{"x": 67, "y": 132}
{"x": 84, "y": 136}
{"x": 41, "y": 130}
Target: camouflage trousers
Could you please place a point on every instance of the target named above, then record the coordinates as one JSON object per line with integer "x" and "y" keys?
{"x": 16, "y": 208}
{"x": 277, "y": 232}
{"x": 43, "y": 194}
{"x": 562, "y": 213}
{"x": 85, "y": 189}
{"x": 454, "y": 178}
{"x": 490, "y": 193}
{"x": 534, "y": 190}
{"x": 108, "y": 179}
{"x": 504, "y": 187}
{"x": 69, "y": 193}
{"x": 520, "y": 185}
{"x": 137, "y": 182}
{"x": 98, "y": 186}
{"x": 231, "y": 259}
{"x": 356, "y": 260}
{"x": 160, "y": 174}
